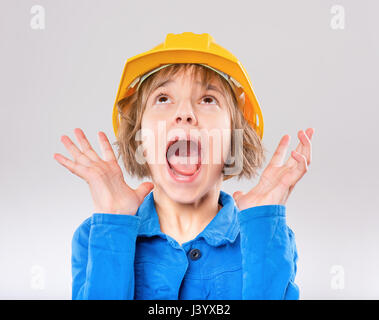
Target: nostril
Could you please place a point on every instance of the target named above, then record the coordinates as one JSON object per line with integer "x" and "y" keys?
{"x": 188, "y": 119}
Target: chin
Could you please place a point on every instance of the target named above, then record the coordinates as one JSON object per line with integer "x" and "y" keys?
{"x": 183, "y": 197}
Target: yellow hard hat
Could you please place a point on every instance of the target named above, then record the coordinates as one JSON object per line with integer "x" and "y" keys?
{"x": 189, "y": 47}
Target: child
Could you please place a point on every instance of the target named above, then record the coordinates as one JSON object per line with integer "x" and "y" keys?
{"x": 180, "y": 236}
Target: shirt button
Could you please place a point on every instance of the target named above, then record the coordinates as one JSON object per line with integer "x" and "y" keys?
{"x": 195, "y": 254}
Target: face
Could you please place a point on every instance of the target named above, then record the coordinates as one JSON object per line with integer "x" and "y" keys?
{"x": 186, "y": 132}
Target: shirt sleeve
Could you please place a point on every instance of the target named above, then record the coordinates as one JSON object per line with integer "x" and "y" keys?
{"x": 103, "y": 250}
{"x": 269, "y": 254}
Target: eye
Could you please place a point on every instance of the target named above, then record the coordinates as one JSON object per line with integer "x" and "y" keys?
{"x": 159, "y": 98}
{"x": 162, "y": 99}
{"x": 210, "y": 98}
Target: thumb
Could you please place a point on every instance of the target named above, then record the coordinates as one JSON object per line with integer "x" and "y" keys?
{"x": 237, "y": 195}
{"x": 143, "y": 190}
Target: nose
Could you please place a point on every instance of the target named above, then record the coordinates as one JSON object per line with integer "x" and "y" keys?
{"x": 185, "y": 114}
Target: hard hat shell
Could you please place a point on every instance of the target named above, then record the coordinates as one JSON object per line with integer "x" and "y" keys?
{"x": 189, "y": 47}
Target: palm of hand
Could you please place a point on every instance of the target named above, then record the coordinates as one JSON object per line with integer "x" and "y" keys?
{"x": 277, "y": 180}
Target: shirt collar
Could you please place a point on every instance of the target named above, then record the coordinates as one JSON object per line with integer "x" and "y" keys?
{"x": 223, "y": 227}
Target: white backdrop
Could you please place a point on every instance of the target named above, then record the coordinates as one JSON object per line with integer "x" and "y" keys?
{"x": 312, "y": 64}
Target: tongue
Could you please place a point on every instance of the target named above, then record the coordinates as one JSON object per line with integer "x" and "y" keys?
{"x": 184, "y": 169}
{"x": 183, "y": 157}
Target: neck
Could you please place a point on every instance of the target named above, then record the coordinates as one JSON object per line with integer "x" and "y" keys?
{"x": 184, "y": 221}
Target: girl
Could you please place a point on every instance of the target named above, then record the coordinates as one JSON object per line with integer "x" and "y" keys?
{"x": 181, "y": 109}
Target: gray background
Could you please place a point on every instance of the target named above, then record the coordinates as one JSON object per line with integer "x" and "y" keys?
{"x": 305, "y": 74}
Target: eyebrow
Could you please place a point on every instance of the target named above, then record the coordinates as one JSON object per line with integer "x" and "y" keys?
{"x": 209, "y": 86}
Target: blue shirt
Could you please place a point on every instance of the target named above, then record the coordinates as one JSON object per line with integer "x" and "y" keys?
{"x": 240, "y": 254}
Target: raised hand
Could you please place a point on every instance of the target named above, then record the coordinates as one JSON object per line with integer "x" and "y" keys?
{"x": 277, "y": 180}
{"x": 110, "y": 193}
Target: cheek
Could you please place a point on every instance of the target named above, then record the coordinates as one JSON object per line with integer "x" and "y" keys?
{"x": 153, "y": 143}
{"x": 220, "y": 147}
{"x": 217, "y": 145}
{"x": 148, "y": 138}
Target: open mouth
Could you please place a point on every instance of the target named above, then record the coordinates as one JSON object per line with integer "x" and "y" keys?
{"x": 183, "y": 158}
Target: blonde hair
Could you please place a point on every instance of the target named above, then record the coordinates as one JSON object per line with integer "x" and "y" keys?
{"x": 131, "y": 110}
